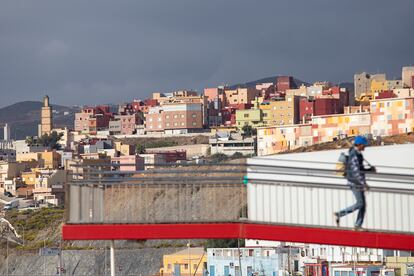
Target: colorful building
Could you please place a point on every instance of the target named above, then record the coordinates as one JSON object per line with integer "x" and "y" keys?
{"x": 191, "y": 261}
{"x": 275, "y": 139}
{"x": 330, "y": 127}
{"x": 243, "y": 261}
{"x": 173, "y": 118}
{"x": 392, "y": 116}
{"x": 93, "y": 119}
{"x": 240, "y": 95}
{"x": 401, "y": 265}
{"x": 283, "y": 112}
{"x": 251, "y": 117}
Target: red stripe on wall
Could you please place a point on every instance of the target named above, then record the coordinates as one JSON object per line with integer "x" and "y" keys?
{"x": 384, "y": 240}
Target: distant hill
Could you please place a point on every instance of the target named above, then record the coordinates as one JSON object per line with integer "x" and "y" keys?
{"x": 264, "y": 80}
{"x": 24, "y": 117}
{"x": 348, "y": 85}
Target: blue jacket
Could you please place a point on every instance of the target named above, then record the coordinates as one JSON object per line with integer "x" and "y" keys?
{"x": 355, "y": 171}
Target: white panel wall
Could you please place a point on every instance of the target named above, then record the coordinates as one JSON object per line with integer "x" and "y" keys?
{"x": 277, "y": 202}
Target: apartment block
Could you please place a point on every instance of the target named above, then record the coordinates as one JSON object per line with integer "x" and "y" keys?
{"x": 392, "y": 116}
{"x": 128, "y": 163}
{"x": 362, "y": 82}
{"x": 275, "y": 139}
{"x": 284, "y": 83}
{"x": 251, "y": 117}
{"x": 282, "y": 112}
{"x": 46, "y": 159}
{"x": 240, "y": 96}
{"x": 93, "y": 119}
{"x": 408, "y": 76}
{"x": 50, "y": 186}
{"x": 175, "y": 118}
{"x": 330, "y": 127}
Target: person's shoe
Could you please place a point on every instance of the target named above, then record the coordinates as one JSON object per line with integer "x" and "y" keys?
{"x": 358, "y": 228}
{"x": 337, "y": 219}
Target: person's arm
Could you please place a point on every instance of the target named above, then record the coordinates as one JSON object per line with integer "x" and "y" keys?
{"x": 355, "y": 170}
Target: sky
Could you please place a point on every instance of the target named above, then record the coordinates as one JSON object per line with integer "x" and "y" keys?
{"x": 98, "y": 51}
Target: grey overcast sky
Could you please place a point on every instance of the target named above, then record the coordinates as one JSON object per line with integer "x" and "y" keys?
{"x": 98, "y": 51}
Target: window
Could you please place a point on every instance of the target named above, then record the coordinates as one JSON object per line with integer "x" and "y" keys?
{"x": 185, "y": 266}
{"x": 182, "y": 116}
{"x": 167, "y": 116}
{"x": 182, "y": 123}
{"x": 194, "y": 123}
{"x": 389, "y": 117}
{"x": 194, "y": 115}
{"x": 246, "y": 115}
{"x": 175, "y": 116}
{"x": 175, "y": 124}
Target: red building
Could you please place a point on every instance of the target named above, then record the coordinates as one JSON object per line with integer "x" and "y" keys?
{"x": 284, "y": 83}
{"x": 93, "y": 119}
{"x": 143, "y": 106}
{"x": 170, "y": 156}
{"x": 318, "y": 107}
{"x": 386, "y": 95}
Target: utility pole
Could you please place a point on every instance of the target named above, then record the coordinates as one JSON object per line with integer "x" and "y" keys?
{"x": 189, "y": 260}
{"x": 112, "y": 258}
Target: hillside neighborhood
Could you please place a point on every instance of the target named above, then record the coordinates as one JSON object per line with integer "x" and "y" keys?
{"x": 222, "y": 123}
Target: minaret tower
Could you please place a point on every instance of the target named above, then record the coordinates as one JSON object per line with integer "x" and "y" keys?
{"x": 46, "y": 122}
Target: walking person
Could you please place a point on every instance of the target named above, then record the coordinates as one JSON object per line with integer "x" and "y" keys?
{"x": 355, "y": 175}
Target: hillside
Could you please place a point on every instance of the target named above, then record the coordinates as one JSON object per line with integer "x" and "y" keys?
{"x": 264, "y": 80}
{"x": 24, "y": 117}
{"x": 298, "y": 83}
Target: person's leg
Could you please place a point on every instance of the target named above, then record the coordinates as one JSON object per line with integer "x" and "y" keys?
{"x": 360, "y": 196}
{"x": 356, "y": 191}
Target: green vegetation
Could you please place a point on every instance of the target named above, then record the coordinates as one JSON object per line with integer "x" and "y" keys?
{"x": 47, "y": 140}
{"x": 35, "y": 224}
{"x": 218, "y": 158}
{"x": 160, "y": 144}
{"x": 249, "y": 131}
{"x": 221, "y": 157}
{"x": 233, "y": 243}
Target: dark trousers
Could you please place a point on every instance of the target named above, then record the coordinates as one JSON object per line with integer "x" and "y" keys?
{"x": 359, "y": 205}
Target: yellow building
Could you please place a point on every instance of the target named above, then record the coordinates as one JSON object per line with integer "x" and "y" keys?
{"x": 378, "y": 86}
{"x": 251, "y": 117}
{"x": 47, "y": 159}
{"x": 29, "y": 178}
{"x": 124, "y": 149}
{"x": 401, "y": 265}
{"x": 190, "y": 261}
{"x": 284, "y": 112}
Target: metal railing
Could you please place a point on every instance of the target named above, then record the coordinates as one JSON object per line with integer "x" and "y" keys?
{"x": 184, "y": 193}
{"x": 261, "y": 190}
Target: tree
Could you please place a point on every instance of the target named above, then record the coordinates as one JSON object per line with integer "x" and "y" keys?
{"x": 227, "y": 243}
{"x": 249, "y": 131}
{"x": 47, "y": 140}
{"x": 140, "y": 149}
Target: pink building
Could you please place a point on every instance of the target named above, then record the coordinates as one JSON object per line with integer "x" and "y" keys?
{"x": 93, "y": 119}
{"x": 175, "y": 118}
{"x": 129, "y": 163}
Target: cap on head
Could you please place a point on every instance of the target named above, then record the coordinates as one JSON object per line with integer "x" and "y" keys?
{"x": 360, "y": 140}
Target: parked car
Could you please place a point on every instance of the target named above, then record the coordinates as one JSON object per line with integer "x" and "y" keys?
{"x": 8, "y": 194}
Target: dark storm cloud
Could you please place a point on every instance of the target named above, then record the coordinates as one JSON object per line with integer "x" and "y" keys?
{"x": 112, "y": 51}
